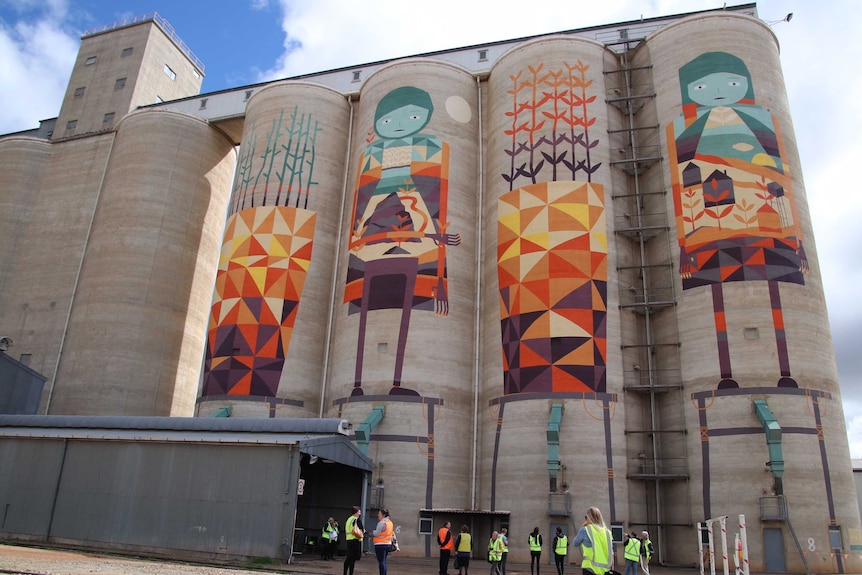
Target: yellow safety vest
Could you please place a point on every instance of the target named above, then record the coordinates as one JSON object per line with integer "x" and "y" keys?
{"x": 562, "y": 547}
{"x": 598, "y": 557}
{"x": 465, "y": 544}
{"x": 348, "y": 528}
{"x": 534, "y": 543}
{"x": 633, "y": 549}
{"x": 495, "y": 547}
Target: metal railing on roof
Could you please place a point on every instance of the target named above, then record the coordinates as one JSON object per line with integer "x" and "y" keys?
{"x": 166, "y": 27}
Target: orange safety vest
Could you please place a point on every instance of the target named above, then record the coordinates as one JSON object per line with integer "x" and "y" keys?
{"x": 385, "y": 538}
{"x": 441, "y": 536}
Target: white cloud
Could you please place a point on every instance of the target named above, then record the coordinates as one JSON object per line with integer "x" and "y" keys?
{"x": 37, "y": 56}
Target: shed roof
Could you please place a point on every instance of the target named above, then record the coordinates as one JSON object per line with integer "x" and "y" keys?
{"x": 324, "y": 438}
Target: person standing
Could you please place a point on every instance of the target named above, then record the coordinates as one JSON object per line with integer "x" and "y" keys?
{"x": 383, "y": 535}
{"x": 495, "y": 552}
{"x": 447, "y": 544}
{"x": 354, "y": 532}
{"x": 632, "y": 553}
{"x": 463, "y": 550}
{"x": 646, "y": 551}
{"x": 326, "y": 535}
{"x": 561, "y": 549}
{"x": 535, "y": 541}
{"x": 504, "y": 535}
{"x": 595, "y": 542}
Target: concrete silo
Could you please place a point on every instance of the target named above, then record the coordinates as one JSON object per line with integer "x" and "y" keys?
{"x": 405, "y": 321}
{"x": 153, "y": 241}
{"x": 276, "y": 266}
{"x": 755, "y": 352}
{"x": 550, "y": 412}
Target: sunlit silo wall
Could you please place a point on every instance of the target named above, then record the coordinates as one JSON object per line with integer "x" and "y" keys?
{"x": 50, "y": 243}
{"x": 404, "y": 337}
{"x": 154, "y": 242}
{"x": 551, "y": 407}
{"x": 755, "y": 347}
{"x": 269, "y": 325}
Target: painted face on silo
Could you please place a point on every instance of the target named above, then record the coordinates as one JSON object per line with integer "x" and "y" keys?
{"x": 719, "y": 89}
{"x": 402, "y": 122}
{"x": 402, "y": 112}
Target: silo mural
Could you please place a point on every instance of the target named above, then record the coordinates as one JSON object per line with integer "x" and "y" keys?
{"x": 552, "y": 239}
{"x": 400, "y": 229}
{"x": 735, "y": 211}
{"x": 264, "y": 260}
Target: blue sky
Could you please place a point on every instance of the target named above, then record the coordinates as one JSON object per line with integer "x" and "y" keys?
{"x": 248, "y": 41}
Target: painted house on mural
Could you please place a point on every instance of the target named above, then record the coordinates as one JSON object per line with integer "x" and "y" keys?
{"x": 536, "y": 276}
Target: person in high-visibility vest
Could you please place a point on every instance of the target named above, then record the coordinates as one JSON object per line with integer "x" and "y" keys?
{"x": 354, "y": 541}
{"x": 561, "y": 549}
{"x": 594, "y": 540}
{"x": 384, "y": 533}
{"x": 632, "y": 553}
{"x": 495, "y": 552}
{"x": 535, "y": 542}
{"x": 504, "y": 535}
{"x": 646, "y": 551}
{"x": 463, "y": 550}
{"x": 328, "y": 535}
{"x": 447, "y": 544}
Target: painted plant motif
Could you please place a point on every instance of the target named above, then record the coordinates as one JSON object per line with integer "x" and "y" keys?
{"x": 264, "y": 260}
{"x": 400, "y": 230}
{"x": 552, "y": 239}
{"x": 735, "y": 211}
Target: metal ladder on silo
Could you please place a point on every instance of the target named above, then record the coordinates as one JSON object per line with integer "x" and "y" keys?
{"x": 650, "y": 353}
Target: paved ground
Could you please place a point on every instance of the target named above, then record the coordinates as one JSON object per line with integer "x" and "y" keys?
{"x": 39, "y": 561}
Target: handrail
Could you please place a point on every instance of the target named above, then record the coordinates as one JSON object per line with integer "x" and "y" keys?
{"x": 166, "y": 27}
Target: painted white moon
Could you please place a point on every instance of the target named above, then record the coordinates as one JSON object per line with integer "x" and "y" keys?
{"x": 458, "y": 109}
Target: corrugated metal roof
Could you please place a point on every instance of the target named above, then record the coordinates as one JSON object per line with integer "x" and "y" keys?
{"x": 325, "y": 438}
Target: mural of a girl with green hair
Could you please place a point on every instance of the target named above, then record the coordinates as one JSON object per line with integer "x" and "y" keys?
{"x": 735, "y": 212}
{"x": 399, "y": 237}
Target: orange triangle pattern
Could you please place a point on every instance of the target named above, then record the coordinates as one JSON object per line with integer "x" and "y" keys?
{"x": 264, "y": 261}
{"x": 552, "y": 273}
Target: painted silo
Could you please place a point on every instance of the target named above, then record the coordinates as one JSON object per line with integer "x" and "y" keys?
{"x": 552, "y": 412}
{"x": 155, "y": 238}
{"x": 756, "y": 355}
{"x": 405, "y": 319}
{"x": 276, "y": 265}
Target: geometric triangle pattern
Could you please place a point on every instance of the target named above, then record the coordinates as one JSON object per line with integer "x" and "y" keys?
{"x": 264, "y": 261}
{"x": 552, "y": 272}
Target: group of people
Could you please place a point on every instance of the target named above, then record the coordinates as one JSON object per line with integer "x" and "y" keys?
{"x": 384, "y": 539}
{"x": 638, "y": 551}
{"x": 593, "y": 538}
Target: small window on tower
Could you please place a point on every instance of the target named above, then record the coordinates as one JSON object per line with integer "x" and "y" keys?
{"x": 483, "y": 55}
{"x": 127, "y": 52}
{"x": 108, "y": 119}
{"x": 356, "y": 75}
{"x": 71, "y": 124}
{"x": 170, "y": 73}
{"x": 90, "y": 61}
{"x": 120, "y": 84}
{"x": 79, "y": 92}
{"x": 248, "y": 94}
{"x": 203, "y": 104}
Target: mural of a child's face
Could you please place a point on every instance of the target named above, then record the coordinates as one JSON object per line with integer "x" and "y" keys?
{"x": 401, "y": 122}
{"x": 718, "y": 89}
